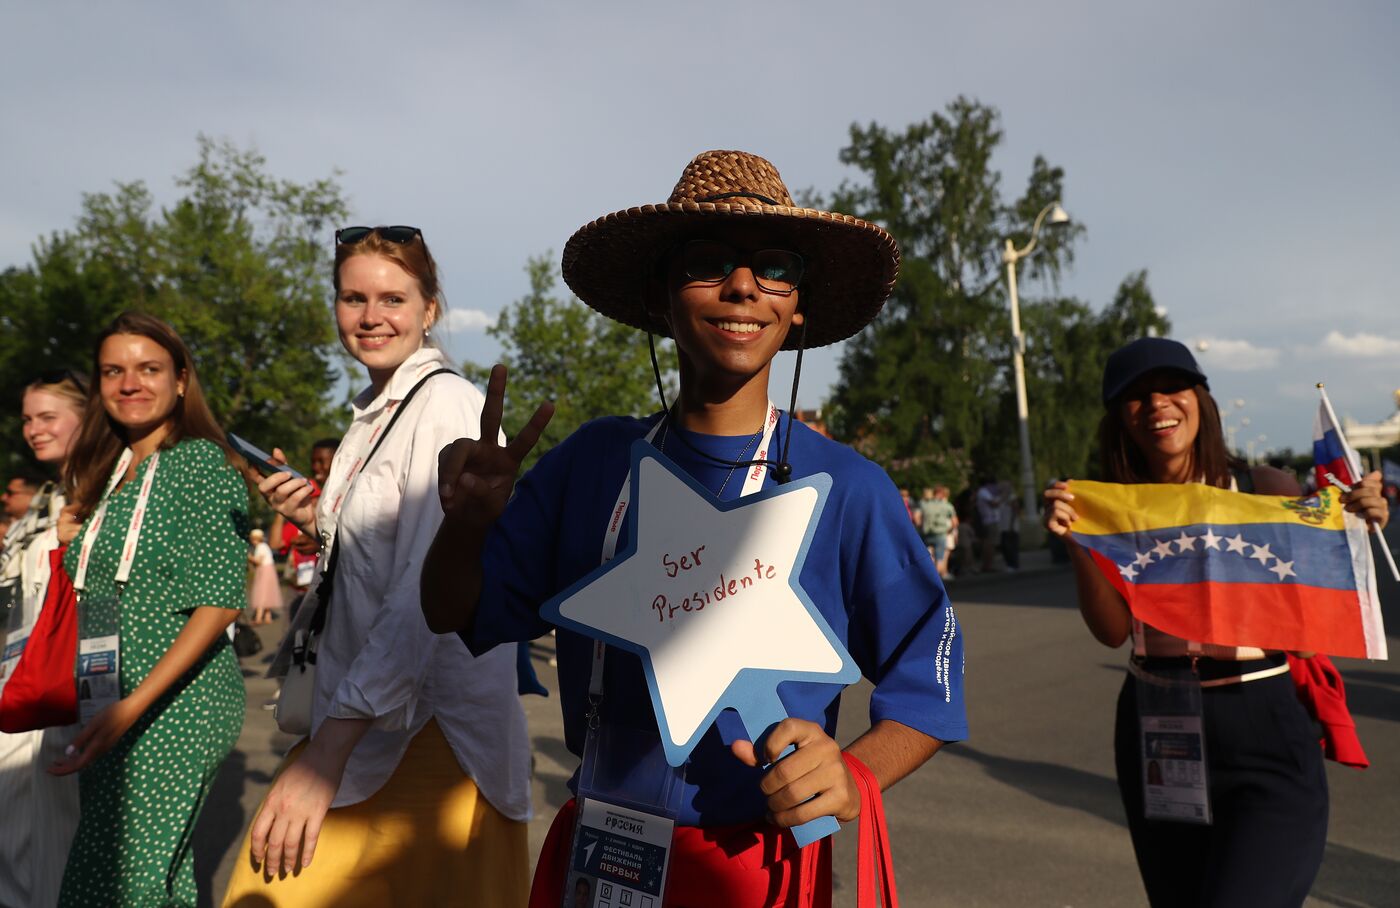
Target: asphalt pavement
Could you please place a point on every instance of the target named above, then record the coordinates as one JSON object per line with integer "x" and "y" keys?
{"x": 1025, "y": 813}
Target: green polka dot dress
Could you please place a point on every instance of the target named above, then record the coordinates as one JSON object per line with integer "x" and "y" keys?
{"x": 140, "y": 800}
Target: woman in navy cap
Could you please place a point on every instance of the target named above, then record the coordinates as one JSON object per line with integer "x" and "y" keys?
{"x": 1266, "y": 782}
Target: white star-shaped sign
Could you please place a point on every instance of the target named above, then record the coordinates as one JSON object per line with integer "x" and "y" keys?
{"x": 706, "y": 593}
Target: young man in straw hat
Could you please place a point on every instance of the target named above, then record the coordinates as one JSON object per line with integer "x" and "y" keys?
{"x": 731, "y": 270}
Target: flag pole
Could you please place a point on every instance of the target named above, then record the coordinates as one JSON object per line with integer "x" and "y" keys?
{"x": 1354, "y": 462}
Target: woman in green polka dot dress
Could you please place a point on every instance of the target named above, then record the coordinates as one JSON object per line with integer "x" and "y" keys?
{"x": 147, "y": 759}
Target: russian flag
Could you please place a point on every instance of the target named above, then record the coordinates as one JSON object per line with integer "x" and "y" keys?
{"x": 1222, "y": 567}
{"x": 1331, "y": 453}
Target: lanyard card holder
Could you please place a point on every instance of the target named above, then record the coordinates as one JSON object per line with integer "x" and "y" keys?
{"x": 14, "y": 631}
{"x": 628, "y": 801}
{"x": 99, "y": 654}
{"x": 1175, "y": 782}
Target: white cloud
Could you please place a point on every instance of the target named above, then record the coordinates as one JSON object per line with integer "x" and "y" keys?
{"x": 1360, "y": 344}
{"x": 1235, "y": 355}
{"x": 468, "y": 320}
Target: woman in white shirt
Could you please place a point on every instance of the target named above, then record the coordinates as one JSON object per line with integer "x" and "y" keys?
{"x": 41, "y": 809}
{"x": 413, "y": 787}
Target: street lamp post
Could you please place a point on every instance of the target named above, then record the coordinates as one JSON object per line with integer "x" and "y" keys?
{"x": 1011, "y": 256}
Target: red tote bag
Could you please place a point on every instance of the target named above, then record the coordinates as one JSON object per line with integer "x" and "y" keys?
{"x": 42, "y": 691}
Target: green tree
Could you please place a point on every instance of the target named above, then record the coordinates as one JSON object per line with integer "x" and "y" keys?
{"x": 559, "y": 349}
{"x": 239, "y": 264}
{"x": 925, "y": 389}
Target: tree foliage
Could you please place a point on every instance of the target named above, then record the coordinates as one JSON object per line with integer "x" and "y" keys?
{"x": 559, "y": 349}
{"x": 926, "y": 389}
{"x": 239, "y": 264}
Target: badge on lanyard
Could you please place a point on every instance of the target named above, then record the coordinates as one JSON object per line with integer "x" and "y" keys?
{"x": 1175, "y": 783}
{"x": 17, "y": 633}
{"x": 628, "y": 800}
{"x": 99, "y": 638}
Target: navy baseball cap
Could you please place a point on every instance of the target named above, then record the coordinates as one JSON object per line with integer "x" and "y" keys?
{"x": 1147, "y": 354}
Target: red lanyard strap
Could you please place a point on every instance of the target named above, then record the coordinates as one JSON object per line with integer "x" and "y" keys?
{"x": 874, "y": 842}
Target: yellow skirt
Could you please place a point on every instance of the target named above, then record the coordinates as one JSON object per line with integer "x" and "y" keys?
{"x": 427, "y": 837}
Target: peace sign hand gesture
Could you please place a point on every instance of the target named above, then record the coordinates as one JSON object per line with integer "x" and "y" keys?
{"x": 475, "y": 479}
{"x": 476, "y": 476}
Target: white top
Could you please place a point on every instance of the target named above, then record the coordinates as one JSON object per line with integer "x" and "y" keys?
{"x": 262, "y": 553}
{"x": 988, "y": 503}
{"x": 377, "y": 659}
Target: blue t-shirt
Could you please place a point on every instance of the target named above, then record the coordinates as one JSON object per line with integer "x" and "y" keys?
{"x": 867, "y": 571}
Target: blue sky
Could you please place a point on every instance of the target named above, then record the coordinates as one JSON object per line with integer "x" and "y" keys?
{"x": 1245, "y": 158}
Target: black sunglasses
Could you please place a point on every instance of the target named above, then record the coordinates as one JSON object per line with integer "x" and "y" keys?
{"x": 348, "y": 236}
{"x": 775, "y": 270}
{"x": 59, "y": 376}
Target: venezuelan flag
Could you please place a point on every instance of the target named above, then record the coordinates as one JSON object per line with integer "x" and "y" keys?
{"x": 1223, "y": 567}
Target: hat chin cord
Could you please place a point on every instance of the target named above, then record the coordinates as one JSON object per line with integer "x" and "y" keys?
{"x": 782, "y": 470}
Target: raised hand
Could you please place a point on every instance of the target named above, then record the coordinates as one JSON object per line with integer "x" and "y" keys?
{"x": 475, "y": 480}
{"x": 477, "y": 475}
{"x": 1367, "y": 500}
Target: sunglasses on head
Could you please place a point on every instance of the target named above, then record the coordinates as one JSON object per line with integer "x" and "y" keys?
{"x": 348, "y": 236}
{"x": 59, "y": 376}
{"x": 775, "y": 270}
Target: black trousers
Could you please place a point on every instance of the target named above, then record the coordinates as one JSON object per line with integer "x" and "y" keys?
{"x": 1268, "y": 794}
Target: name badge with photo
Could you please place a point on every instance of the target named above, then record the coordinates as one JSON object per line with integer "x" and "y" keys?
{"x": 619, "y": 857}
{"x": 1175, "y": 783}
{"x": 99, "y": 681}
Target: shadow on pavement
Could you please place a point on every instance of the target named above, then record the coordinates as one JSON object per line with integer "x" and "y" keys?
{"x": 216, "y": 830}
{"x": 556, "y": 784}
{"x": 1366, "y": 697}
{"x": 1355, "y": 879}
{"x": 1060, "y": 785}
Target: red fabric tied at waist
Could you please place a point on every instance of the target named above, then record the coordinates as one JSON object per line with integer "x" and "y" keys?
{"x": 1319, "y": 686}
{"x": 747, "y": 865}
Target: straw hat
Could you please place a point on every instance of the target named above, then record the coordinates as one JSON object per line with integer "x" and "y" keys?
{"x": 850, "y": 264}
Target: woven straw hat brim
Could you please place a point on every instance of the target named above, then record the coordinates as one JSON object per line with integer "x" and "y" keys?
{"x": 851, "y": 265}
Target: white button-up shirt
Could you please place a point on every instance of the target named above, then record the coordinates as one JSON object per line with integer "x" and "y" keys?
{"x": 377, "y": 659}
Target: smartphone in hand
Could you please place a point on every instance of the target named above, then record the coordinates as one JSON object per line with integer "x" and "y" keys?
{"x": 259, "y": 459}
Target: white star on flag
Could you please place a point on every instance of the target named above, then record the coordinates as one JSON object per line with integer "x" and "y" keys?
{"x": 1128, "y": 571}
{"x": 1209, "y": 540}
{"x": 1164, "y": 549}
{"x": 1143, "y": 559}
{"x": 1185, "y": 542}
{"x": 1236, "y": 544}
{"x": 1262, "y": 554}
{"x": 1283, "y": 569}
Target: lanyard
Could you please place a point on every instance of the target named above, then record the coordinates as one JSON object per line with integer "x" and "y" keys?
{"x": 753, "y": 481}
{"x": 133, "y": 527}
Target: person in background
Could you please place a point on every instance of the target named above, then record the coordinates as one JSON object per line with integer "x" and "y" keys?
{"x": 264, "y": 592}
{"x": 909, "y": 507}
{"x": 1009, "y": 525}
{"x": 41, "y": 810}
{"x": 147, "y": 758}
{"x": 937, "y": 523}
{"x": 19, "y": 491}
{"x": 414, "y": 785}
{"x": 987, "y": 505}
{"x": 300, "y": 550}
